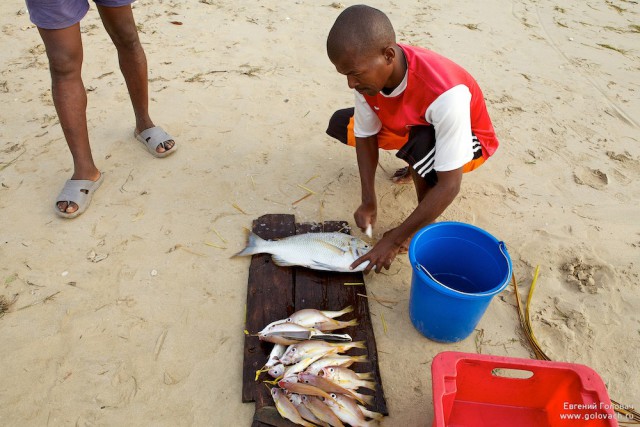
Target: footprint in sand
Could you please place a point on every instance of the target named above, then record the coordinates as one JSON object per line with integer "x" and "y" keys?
{"x": 573, "y": 315}
{"x": 587, "y": 277}
{"x": 594, "y": 178}
{"x": 627, "y": 163}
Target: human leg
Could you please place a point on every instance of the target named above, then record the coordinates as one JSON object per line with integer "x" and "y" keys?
{"x": 64, "y": 50}
{"x": 121, "y": 27}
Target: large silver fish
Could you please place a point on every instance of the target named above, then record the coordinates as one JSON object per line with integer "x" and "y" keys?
{"x": 318, "y": 251}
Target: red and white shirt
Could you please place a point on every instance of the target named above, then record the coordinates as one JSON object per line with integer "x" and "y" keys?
{"x": 434, "y": 91}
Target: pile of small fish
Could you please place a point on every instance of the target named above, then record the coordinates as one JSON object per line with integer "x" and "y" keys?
{"x": 315, "y": 386}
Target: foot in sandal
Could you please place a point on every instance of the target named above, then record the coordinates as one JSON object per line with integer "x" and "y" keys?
{"x": 75, "y": 196}
{"x": 402, "y": 176}
{"x": 158, "y": 142}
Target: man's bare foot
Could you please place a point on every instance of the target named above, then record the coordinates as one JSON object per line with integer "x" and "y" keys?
{"x": 402, "y": 176}
{"x": 404, "y": 248}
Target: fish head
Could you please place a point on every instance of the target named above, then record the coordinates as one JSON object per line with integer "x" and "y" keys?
{"x": 333, "y": 402}
{"x": 359, "y": 247}
{"x": 305, "y": 377}
{"x": 327, "y": 371}
{"x": 276, "y": 371}
{"x": 289, "y": 355}
{"x": 295, "y": 398}
{"x": 291, "y": 379}
{"x": 275, "y": 392}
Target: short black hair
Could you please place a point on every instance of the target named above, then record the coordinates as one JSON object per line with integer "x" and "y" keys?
{"x": 360, "y": 29}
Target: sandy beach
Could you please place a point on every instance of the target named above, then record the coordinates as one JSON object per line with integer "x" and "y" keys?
{"x": 133, "y": 313}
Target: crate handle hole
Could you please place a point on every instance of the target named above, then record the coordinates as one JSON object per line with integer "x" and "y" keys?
{"x": 512, "y": 373}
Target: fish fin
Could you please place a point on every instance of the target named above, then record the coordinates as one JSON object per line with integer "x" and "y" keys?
{"x": 317, "y": 265}
{"x": 281, "y": 262}
{"x": 254, "y": 245}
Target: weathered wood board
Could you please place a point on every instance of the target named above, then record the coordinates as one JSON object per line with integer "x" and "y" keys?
{"x": 276, "y": 292}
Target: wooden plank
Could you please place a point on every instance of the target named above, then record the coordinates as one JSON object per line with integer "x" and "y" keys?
{"x": 265, "y": 281}
{"x": 298, "y": 288}
{"x": 269, "y": 416}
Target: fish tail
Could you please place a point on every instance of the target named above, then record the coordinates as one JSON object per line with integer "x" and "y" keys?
{"x": 334, "y": 314}
{"x": 365, "y": 399}
{"x": 371, "y": 385}
{"x": 357, "y": 344}
{"x": 353, "y": 322}
{"x": 254, "y": 245}
{"x": 345, "y": 310}
{"x": 370, "y": 414}
{"x": 360, "y": 359}
{"x": 365, "y": 375}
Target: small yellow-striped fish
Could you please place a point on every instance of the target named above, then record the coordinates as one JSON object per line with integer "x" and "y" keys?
{"x": 287, "y": 409}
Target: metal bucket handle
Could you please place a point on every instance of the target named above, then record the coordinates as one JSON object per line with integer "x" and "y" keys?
{"x": 502, "y": 248}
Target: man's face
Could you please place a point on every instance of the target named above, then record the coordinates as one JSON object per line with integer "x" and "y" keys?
{"x": 367, "y": 74}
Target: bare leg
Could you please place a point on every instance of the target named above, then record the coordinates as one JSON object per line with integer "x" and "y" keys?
{"x": 421, "y": 185}
{"x": 121, "y": 27}
{"x": 64, "y": 50}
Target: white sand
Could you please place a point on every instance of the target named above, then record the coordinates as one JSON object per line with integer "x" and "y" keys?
{"x": 247, "y": 90}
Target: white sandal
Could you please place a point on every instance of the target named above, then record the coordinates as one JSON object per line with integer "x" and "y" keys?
{"x": 78, "y": 191}
{"x": 153, "y": 137}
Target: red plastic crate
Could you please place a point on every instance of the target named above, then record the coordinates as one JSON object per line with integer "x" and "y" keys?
{"x": 467, "y": 392}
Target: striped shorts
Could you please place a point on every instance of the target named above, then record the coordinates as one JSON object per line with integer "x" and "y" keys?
{"x": 418, "y": 148}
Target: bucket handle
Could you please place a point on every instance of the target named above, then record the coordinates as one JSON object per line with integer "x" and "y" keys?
{"x": 502, "y": 248}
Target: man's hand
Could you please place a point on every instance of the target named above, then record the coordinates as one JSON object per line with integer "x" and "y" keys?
{"x": 365, "y": 215}
{"x": 382, "y": 254}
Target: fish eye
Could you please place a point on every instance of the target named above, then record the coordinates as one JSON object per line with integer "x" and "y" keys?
{"x": 289, "y": 319}
{"x": 293, "y": 350}
{"x": 333, "y": 395}
{"x": 331, "y": 370}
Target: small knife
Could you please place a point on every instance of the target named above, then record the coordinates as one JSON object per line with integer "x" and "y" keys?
{"x": 313, "y": 335}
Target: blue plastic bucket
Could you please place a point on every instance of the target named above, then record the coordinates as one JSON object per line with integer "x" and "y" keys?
{"x": 457, "y": 269}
